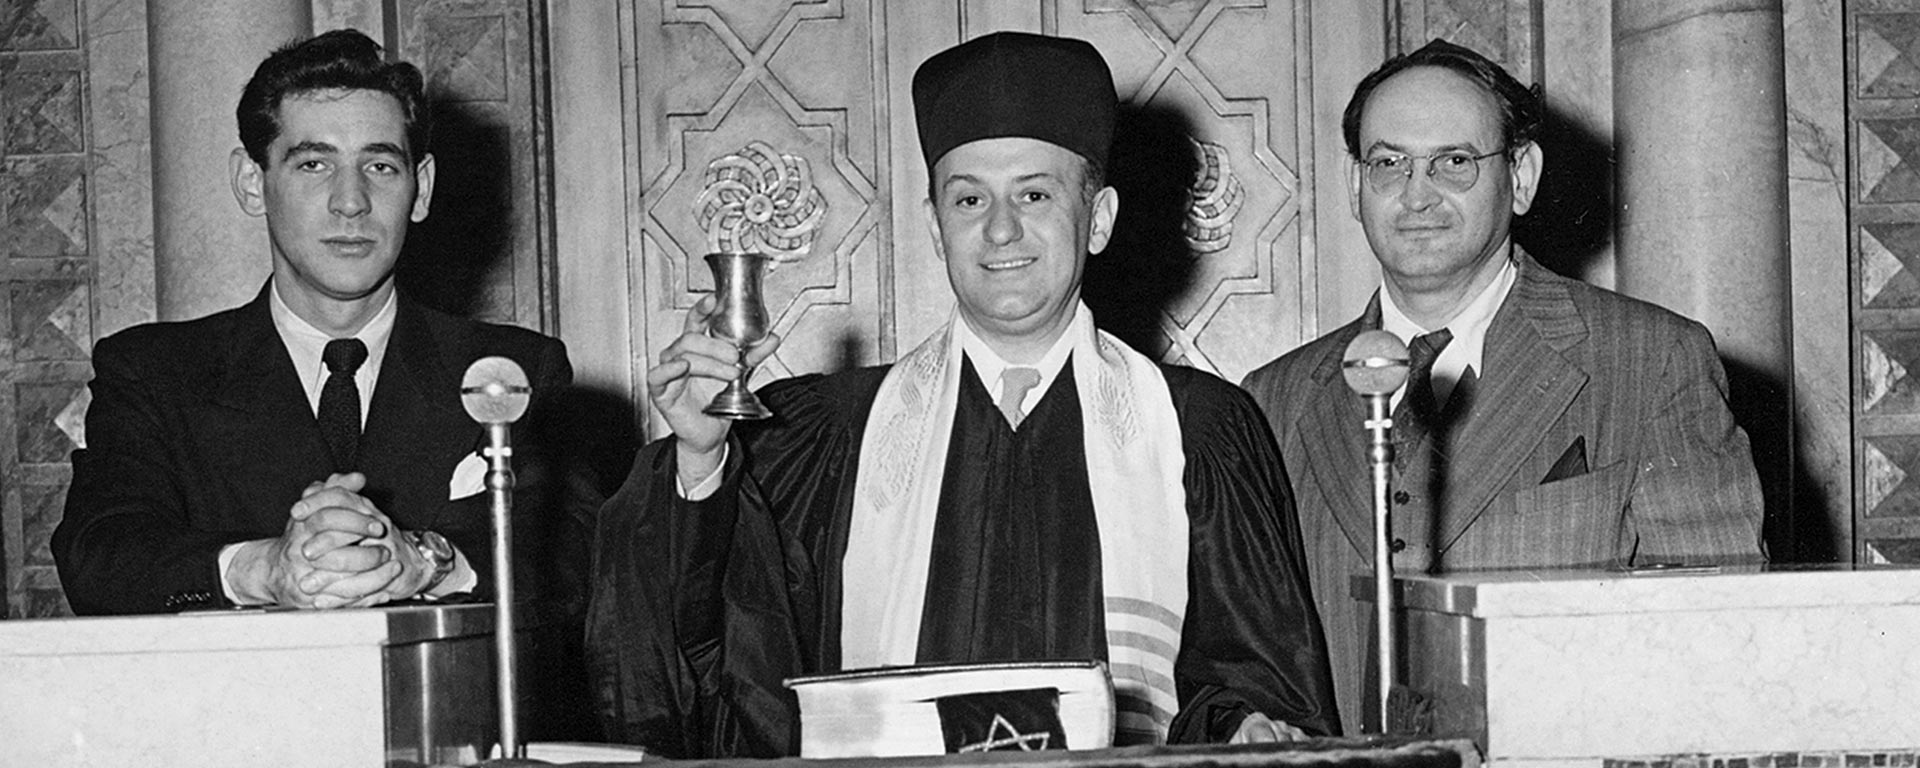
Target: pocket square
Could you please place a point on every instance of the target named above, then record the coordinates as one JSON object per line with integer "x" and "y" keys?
{"x": 1572, "y": 463}
{"x": 469, "y": 477}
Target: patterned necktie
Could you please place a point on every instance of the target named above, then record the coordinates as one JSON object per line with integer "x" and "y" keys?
{"x": 1417, "y": 406}
{"x": 340, "y": 401}
{"x": 1014, "y": 383}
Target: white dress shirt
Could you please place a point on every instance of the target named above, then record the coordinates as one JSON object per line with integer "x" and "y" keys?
{"x": 1469, "y": 329}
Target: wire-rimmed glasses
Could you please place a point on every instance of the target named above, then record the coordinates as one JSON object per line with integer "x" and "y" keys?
{"x": 1454, "y": 170}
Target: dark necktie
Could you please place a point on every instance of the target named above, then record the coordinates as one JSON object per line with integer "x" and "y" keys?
{"x": 1014, "y": 384}
{"x": 340, "y": 401}
{"x": 1417, "y": 407}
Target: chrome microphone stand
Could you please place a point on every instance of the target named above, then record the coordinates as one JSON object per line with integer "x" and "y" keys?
{"x": 1374, "y": 366}
{"x": 495, "y": 393}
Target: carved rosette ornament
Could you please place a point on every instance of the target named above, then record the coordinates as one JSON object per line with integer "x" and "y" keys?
{"x": 1217, "y": 196}
{"x": 758, "y": 200}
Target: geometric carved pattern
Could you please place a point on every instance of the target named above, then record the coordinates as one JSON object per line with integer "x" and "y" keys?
{"x": 466, "y": 58}
{"x": 1888, "y": 54}
{"x": 758, "y": 133}
{"x": 1887, "y": 552}
{"x": 38, "y": 410}
{"x": 760, "y": 201}
{"x": 1242, "y": 208}
{"x": 41, "y": 505}
{"x": 1887, "y": 466}
{"x": 39, "y": 25}
{"x": 1888, "y": 171}
{"x": 1883, "y": 89}
{"x": 1217, "y": 197}
{"x": 49, "y": 319}
{"x": 1889, "y": 254}
{"x": 43, "y": 207}
{"x": 1889, "y": 357}
{"x": 1477, "y": 24}
{"x": 42, "y": 113}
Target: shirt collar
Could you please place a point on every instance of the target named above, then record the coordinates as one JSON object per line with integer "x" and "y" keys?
{"x": 305, "y": 344}
{"x": 1469, "y": 328}
{"x": 989, "y": 364}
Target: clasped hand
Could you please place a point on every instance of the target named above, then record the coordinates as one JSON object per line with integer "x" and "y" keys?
{"x": 338, "y": 551}
{"x": 693, "y": 369}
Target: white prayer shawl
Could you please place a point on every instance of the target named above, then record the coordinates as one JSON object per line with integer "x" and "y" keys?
{"x": 1135, "y": 470}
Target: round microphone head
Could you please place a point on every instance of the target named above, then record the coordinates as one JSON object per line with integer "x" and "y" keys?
{"x": 495, "y": 391}
{"x": 1376, "y": 363}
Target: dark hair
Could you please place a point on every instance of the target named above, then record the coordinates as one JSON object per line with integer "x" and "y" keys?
{"x": 340, "y": 59}
{"x": 1520, "y": 108}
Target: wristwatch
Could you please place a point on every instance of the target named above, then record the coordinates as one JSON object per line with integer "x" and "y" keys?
{"x": 437, "y": 551}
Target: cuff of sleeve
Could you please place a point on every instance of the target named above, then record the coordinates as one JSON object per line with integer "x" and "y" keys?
{"x": 463, "y": 578}
{"x": 707, "y": 485}
{"x": 227, "y": 553}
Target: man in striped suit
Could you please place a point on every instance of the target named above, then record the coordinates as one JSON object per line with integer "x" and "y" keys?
{"x": 1545, "y": 423}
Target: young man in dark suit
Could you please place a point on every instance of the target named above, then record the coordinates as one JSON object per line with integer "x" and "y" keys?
{"x": 1545, "y": 423}
{"x": 307, "y": 449}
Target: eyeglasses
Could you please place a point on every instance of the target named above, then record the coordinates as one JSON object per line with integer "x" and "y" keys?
{"x": 1453, "y": 170}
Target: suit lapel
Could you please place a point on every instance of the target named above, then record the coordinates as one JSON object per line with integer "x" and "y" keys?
{"x": 258, "y": 396}
{"x": 1530, "y": 384}
{"x": 415, "y": 420}
{"x": 1336, "y": 455}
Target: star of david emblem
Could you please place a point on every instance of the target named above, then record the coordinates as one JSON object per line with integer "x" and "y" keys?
{"x": 1002, "y": 735}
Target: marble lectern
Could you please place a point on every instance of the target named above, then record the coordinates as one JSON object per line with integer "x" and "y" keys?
{"x": 1773, "y": 669}
{"x": 367, "y": 687}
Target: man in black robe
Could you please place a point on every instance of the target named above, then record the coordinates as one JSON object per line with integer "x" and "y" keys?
{"x": 1019, "y": 487}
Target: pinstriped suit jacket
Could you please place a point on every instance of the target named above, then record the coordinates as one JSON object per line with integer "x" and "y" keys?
{"x": 1670, "y": 476}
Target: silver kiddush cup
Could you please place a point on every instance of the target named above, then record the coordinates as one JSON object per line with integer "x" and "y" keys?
{"x": 740, "y": 317}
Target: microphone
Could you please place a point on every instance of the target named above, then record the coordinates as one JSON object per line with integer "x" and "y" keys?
{"x": 495, "y": 393}
{"x": 1374, "y": 366}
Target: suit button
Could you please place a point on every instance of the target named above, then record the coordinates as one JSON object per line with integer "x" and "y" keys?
{"x": 1401, "y": 497}
{"x": 1399, "y": 545}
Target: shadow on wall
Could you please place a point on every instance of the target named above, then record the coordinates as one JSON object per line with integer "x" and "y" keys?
{"x": 1569, "y": 227}
{"x": 1571, "y": 222}
{"x": 469, "y": 234}
{"x": 1147, "y": 263}
{"x": 1798, "y": 527}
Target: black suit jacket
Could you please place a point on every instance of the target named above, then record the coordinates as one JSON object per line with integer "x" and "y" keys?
{"x": 200, "y": 435}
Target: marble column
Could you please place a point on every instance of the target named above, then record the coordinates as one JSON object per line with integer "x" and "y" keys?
{"x": 1700, "y": 131}
{"x": 208, "y": 255}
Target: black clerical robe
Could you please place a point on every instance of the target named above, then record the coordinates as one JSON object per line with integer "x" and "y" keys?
{"x": 700, "y": 609}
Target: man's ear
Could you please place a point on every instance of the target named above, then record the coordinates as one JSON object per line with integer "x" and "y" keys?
{"x": 1526, "y": 176}
{"x": 1353, "y": 188}
{"x": 423, "y": 188}
{"x": 246, "y": 179}
{"x": 1106, "y": 205}
{"x": 933, "y": 228}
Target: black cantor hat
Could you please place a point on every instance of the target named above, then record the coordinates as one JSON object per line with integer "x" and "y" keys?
{"x": 1055, "y": 89}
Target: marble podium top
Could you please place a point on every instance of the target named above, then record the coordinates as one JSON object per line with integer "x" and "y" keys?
{"x": 1490, "y": 594}
{"x": 242, "y": 630}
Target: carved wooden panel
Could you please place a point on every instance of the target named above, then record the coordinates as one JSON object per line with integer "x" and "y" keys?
{"x": 788, "y": 127}
{"x": 486, "y": 248}
{"x": 756, "y": 129}
{"x": 46, "y": 265}
{"x": 1883, "y": 96}
{"x": 1214, "y": 150}
{"x": 1502, "y": 30}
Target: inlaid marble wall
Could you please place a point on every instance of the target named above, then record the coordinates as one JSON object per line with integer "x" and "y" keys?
{"x": 75, "y": 228}
{"x": 1883, "y": 96}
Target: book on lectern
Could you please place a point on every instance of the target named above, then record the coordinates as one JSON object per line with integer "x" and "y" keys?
{"x": 934, "y": 709}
